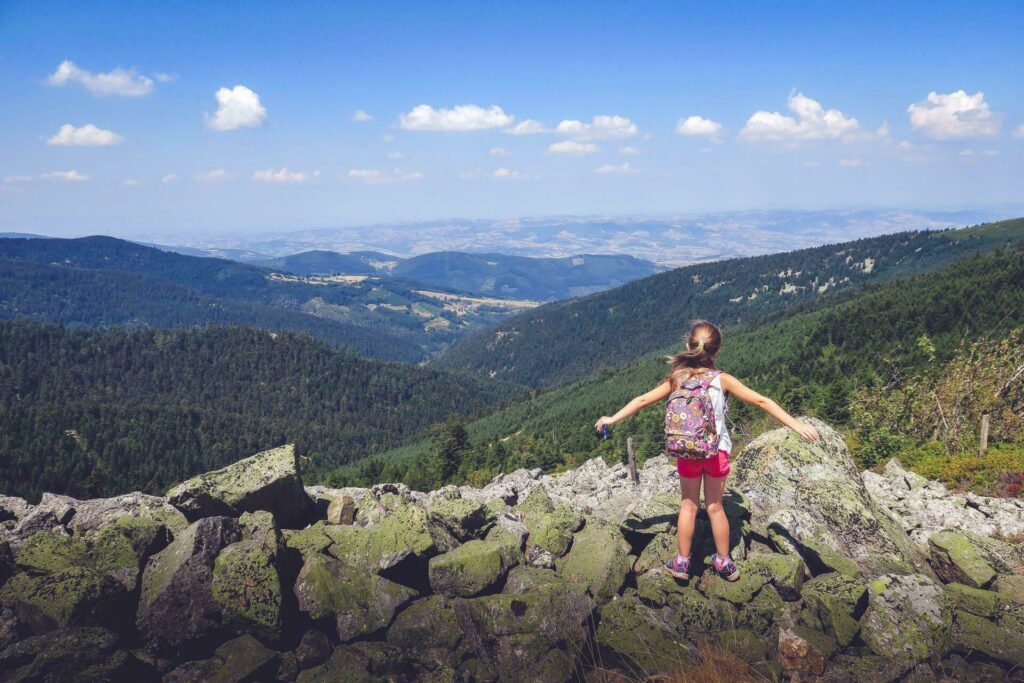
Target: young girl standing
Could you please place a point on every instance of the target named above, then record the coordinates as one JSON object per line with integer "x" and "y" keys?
{"x": 703, "y": 458}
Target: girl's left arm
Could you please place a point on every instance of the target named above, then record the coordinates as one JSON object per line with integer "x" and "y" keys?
{"x": 656, "y": 394}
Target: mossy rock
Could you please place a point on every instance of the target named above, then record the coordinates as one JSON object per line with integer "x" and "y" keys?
{"x": 816, "y": 547}
{"x": 695, "y": 613}
{"x": 312, "y": 540}
{"x": 83, "y": 655}
{"x": 365, "y": 662}
{"x": 974, "y": 633}
{"x": 403, "y": 533}
{"x": 247, "y": 588}
{"x": 536, "y": 503}
{"x": 761, "y": 613}
{"x": 785, "y": 572}
{"x": 979, "y": 602}
{"x": 598, "y": 562}
{"x": 74, "y": 596}
{"x": 428, "y": 631}
{"x": 655, "y": 554}
{"x": 469, "y": 570}
{"x": 908, "y": 617}
{"x": 738, "y": 592}
{"x": 313, "y": 649}
{"x": 554, "y": 530}
{"x": 749, "y": 646}
{"x": 1010, "y": 588}
{"x": 356, "y": 602}
{"x": 656, "y": 515}
{"x": 655, "y": 587}
{"x": 238, "y": 660}
{"x": 261, "y": 526}
{"x": 462, "y": 518}
{"x": 846, "y": 668}
{"x": 523, "y": 579}
{"x": 956, "y": 559}
{"x": 48, "y": 552}
{"x": 640, "y": 638}
{"x": 836, "y": 603}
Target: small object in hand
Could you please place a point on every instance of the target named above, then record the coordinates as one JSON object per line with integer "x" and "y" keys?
{"x": 605, "y": 432}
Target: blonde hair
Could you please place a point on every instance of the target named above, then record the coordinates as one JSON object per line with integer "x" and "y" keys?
{"x": 702, "y": 344}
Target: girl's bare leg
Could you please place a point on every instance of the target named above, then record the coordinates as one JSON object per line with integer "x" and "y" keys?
{"x": 690, "y": 488}
{"x": 714, "y": 487}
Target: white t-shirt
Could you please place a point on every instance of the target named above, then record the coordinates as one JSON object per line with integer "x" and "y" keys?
{"x": 718, "y": 403}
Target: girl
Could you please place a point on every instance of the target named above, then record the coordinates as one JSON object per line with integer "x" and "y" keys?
{"x": 698, "y": 361}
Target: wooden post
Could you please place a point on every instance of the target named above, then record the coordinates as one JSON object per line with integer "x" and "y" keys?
{"x": 631, "y": 454}
{"x": 983, "y": 441}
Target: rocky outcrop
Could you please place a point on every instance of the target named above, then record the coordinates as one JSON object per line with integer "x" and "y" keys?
{"x": 531, "y": 577}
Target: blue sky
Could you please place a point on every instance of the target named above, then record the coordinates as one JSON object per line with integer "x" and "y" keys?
{"x": 231, "y": 117}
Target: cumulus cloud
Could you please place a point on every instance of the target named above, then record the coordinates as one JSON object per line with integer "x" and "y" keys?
{"x": 601, "y": 127}
{"x": 498, "y": 152}
{"x": 374, "y": 177}
{"x": 361, "y": 116}
{"x": 462, "y": 117}
{"x": 86, "y": 136}
{"x": 698, "y": 126}
{"x": 170, "y": 178}
{"x": 573, "y": 148}
{"x": 165, "y": 78}
{"x": 507, "y": 174}
{"x": 214, "y": 176}
{"x": 237, "y": 107}
{"x": 629, "y": 151}
{"x": 527, "y": 127}
{"x": 71, "y": 176}
{"x": 954, "y": 115}
{"x": 122, "y": 82}
{"x": 612, "y": 168}
{"x": 284, "y": 176}
{"x": 811, "y": 122}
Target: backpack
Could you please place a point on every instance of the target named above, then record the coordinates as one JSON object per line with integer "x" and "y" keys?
{"x": 690, "y": 430}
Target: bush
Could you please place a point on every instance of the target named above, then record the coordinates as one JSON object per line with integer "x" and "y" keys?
{"x": 1000, "y": 472}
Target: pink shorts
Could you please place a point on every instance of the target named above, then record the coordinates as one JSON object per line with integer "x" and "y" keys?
{"x": 715, "y": 466}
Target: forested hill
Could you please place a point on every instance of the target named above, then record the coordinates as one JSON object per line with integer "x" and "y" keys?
{"x": 95, "y": 413}
{"x": 811, "y": 362}
{"x": 567, "y": 341}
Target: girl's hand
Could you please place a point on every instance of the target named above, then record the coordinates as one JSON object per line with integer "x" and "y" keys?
{"x": 604, "y": 421}
{"x": 806, "y": 431}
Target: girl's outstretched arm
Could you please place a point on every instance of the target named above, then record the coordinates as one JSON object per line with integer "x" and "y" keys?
{"x": 656, "y": 394}
{"x": 748, "y": 395}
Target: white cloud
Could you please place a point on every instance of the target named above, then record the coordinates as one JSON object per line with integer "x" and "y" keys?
{"x": 361, "y": 116}
{"x": 507, "y": 174}
{"x": 498, "y": 152}
{"x": 601, "y": 127}
{"x": 395, "y": 155}
{"x": 851, "y": 163}
{"x": 812, "y": 122}
{"x": 629, "y": 151}
{"x": 1018, "y": 132}
{"x": 698, "y": 126}
{"x": 170, "y": 178}
{"x": 72, "y": 176}
{"x": 374, "y": 177}
{"x": 811, "y": 164}
{"x": 971, "y": 154}
{"x": 904, "y": 144}
{"x": 165, "y": 78}
{"x": 131, "y": 182}
{"x": 527, "y": 127}
{"x": 217, "y": 175}
{"x": 18, "y": 179}
{"x": 954, "y": 115}
{"x": 86, "y": 136}
{"x": 463, "y": 117}
{"x": 237, "y": 107}
{"x": 284, "y": 176}
{"x": 572, "y": 147}
{"x": 612, "y": 168}
{"x": 125, "y": 83}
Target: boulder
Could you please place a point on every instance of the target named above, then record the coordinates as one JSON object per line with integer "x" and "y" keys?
{"x": 973, "y": 633}
{"x": 523, "y": 579}
{"x": 803, "y": 651}
{"x": 313, "y": 540}
{"x": 460, "y": 518}
{"x": 811, "y": 498}
{"x": 73, "y": 596}
{"x": 598, "y": 561}
{"x": 760, "y": 614}
{"x": 70, "y": 654}
{"x": 13, "y": 508}
{"x": 246, "y": 587}
{"x": 739, "y": 592}
{"x": 970, "y": 559}
{"x": 553, "y": 531}
{"x": 471, "y": 569}
{"x": 400, "y": 535}
{"x": 834, "y": 603}
{"x": 428, "y": 630}
{"x": 261, "y": 526}
{"x": 360, "y": 663}
{"x": 637, "y": 637}
{"x": 341, "y": 510}
{"x": 6, "y": 561}
{"x": 1010, "y": 589}
{"x": 655, "y": 515}
{"x": 908, "y": 618}
{"x": 695, "y": 614}
{"x": 314, "y": 649}
{"x": 354, "y": 601}
{"x": 176, "y": 604}
{"x": 785, "y": 572}
{"x": 238, "y": 660}
{"x": 269, "y": 481}
{"x": 99, "y": 512}
{"x": 656, "y": 553}
{"x": 976, "y": 601}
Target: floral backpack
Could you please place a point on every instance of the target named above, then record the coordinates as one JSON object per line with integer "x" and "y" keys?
{"x": 690, "y": 430}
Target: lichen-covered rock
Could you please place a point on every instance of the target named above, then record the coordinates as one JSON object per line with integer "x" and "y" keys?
{"x": 656, "y": 515}
{"x": 95, "y": 513}
{"x": 979, "y": 602}
{"x": 356, "y": 602}
{"x": 176, "y": 604}
{"x": 785, "y": 572}
{"x": 470, "y": 569}
{"x": 866, "y": 667}
{"x": 341, "y": 510}
{"x": 246, "y": 587}
{"x": 641, "y": 638}
{"x": 461, "y": 518}
{"x": 695, "y": 613}
{"x": 312, "y": 540}
{"x": 828, "y": 512}
{"x": 836, "y": 602}
{"x": 523, "y": 579}
{"x": 970, "y": 559}
{"x": 598, "y": 562}
{"x": 403, "y": 533}
{"x": 977, "y": 634}
{"x": 553, "y": 531}
{"x": 803, "y": 651}
{"x": 238, "y": 660}
{"x": 656, "y": 553}
{"x": 73, "y": 596}
{"x": 261, "y": 526}
{"x": 761, "y": 613}
{"x": 269, "y": 481}
{"x": 313, "y": 649}
{"x": 908, "y": 618}
{"x": 738, "y": 592}
{"x": 88, "y": 655}
{"x": 368, "y": 662}
{"x": 536, "y": 503}
{"x": 1010, "y": 589}
{"x": 428, "y": 631}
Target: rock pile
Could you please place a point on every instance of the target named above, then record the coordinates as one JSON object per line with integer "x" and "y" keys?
{"x": 244, "y": 574}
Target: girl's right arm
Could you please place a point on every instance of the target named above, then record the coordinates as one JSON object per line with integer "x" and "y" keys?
{"x": 735, "y": 387}
{"x": 656, "y": 394}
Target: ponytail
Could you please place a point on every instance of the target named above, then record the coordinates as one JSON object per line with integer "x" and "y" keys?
{"x": 702, "y": 344}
